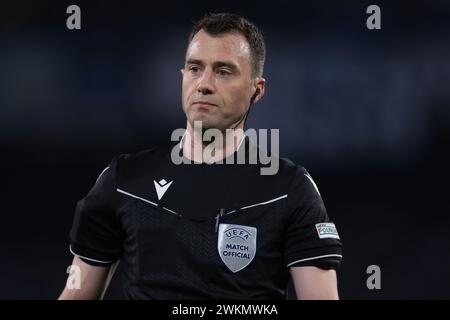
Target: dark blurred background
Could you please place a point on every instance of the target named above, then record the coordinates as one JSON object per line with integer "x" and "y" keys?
{"x": 366, "y": 112}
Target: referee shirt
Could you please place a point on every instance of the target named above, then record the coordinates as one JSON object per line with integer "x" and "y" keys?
{"x": 203, "y": 231}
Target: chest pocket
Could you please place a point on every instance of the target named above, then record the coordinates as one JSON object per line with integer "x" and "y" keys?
{"x": 174, "y": 250}
{"x": 268, "y": 220}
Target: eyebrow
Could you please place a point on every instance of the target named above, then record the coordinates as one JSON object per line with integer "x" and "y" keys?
{"x": 216, "y": 64}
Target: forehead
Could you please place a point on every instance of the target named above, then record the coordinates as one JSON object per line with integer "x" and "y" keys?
{"x": 227, "y": 46}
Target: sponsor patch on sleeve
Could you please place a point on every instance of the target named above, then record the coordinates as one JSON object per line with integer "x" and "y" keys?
{"x": 327, "y": 230}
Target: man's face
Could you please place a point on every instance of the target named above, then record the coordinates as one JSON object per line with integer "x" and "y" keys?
{"x": 217, "y": 80}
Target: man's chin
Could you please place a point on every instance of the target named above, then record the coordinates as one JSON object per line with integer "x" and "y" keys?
{"x": 205, "y": 123}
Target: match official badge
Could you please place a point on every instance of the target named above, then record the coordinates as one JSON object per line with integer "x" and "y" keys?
{"x": 236, "y": 245}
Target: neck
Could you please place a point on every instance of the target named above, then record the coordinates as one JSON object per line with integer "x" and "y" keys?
{"x": 203, "y": 146}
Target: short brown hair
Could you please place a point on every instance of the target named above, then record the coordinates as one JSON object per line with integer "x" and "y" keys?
{"x": 220, "y": 23}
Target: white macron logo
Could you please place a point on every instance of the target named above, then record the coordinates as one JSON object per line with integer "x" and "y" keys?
{"x": 161, "y": 187}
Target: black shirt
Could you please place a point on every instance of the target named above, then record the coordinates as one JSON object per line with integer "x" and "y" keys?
{"x": 203, "y": 231}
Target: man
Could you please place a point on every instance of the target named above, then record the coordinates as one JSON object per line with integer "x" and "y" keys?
{"x": 201, "y": 229}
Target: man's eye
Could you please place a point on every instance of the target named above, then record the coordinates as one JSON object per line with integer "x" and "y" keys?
{"x": 194, "y": 69}
{"x": 223, "y": 72}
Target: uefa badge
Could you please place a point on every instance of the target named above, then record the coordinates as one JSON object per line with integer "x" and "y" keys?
{"x": 236, "y": 245}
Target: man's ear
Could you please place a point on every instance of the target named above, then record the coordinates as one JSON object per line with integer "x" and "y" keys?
{"x": 261, "y": 86}
{"x": 182, "y": 71}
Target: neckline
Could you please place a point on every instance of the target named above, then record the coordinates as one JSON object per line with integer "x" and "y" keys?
{"x": 222, "y": 161}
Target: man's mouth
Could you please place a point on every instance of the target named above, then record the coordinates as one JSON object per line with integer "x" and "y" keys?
{"x": 205, "y": 103}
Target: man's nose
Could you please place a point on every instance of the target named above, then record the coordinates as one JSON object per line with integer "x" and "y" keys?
{"x": 206, "y": 82}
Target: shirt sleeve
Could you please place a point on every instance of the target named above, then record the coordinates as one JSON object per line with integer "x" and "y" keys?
{"x": 96, "y": 235}
{"x": 311, "y": 238}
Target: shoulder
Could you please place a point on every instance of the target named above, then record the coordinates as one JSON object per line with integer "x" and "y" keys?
{"x": 300, "y": 181}
{"x": 133, "y": 170}
{"x": 291, "y": 171}
{"x": 143, "y": 159}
